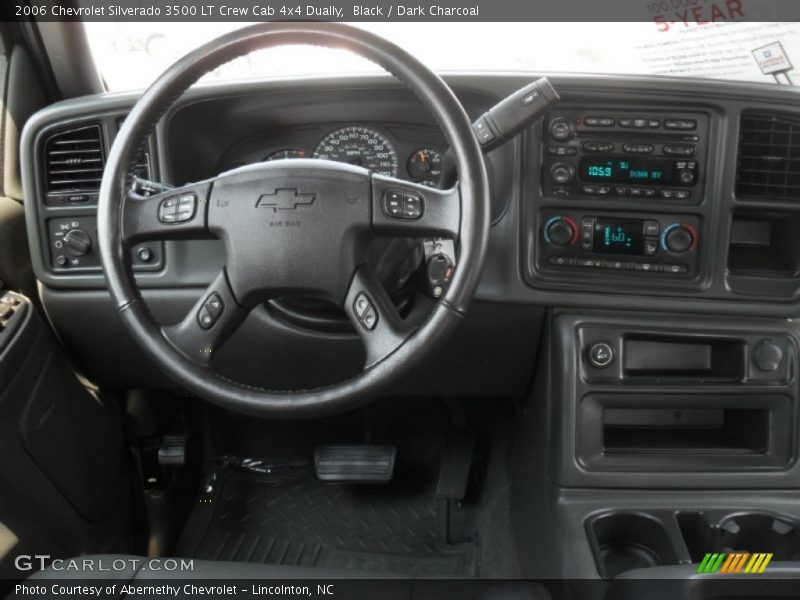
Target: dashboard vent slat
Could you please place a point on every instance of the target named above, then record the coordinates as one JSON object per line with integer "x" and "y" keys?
{"x": 74, "y": 160}
{"x": 768, "y": 162}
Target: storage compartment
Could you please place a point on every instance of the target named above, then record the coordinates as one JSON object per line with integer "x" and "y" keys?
{"x": 690, "y": 359}
{"x": 765, "y": 244}
{"x": 685, "y": 432}
{"x": 625, "y": 541}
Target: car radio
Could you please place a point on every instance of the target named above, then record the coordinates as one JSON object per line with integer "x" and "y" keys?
{"x": 656, "y": 243}
{"x": 624, "y": 154}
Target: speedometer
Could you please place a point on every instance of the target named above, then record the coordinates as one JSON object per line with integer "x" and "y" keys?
{"x": 360, "y": 146}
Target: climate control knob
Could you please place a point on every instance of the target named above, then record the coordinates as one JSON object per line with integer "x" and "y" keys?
{"x": 77, "y": 242}
{"x": 678, "y": 238}
{"x": 560, "y": 232}
{"x": 562, "y": 173}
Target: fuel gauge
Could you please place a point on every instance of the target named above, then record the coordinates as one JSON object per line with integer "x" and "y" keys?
{"x": 425, "y": 167}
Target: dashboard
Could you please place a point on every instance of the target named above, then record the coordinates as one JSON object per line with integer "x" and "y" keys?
{"x": 632, "y": 194}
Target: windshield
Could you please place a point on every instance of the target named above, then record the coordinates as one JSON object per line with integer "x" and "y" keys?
{"x": 131, "y": 55}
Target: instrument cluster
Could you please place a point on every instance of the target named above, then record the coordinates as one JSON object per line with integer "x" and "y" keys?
{"x": 406, "y": 151}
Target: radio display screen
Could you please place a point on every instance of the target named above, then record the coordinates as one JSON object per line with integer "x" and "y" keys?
{"x": 618, "y": 236}
{"x": 628, "y": 170}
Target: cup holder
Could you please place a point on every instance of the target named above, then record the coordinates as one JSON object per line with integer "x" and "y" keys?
{"x": 743, "y": 532}
{"x": 625, "y": 541}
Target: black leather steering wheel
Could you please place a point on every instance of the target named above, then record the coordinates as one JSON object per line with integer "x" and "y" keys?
{"x": 293, "y": 227}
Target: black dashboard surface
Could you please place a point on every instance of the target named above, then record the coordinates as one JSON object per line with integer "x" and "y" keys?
{"x": 213, "y": 128}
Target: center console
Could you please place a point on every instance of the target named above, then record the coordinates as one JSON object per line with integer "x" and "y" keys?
{"x": 622, "y": 198}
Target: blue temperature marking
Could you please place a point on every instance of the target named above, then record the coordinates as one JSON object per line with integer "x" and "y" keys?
{"x": 547, "y": 226}
{"x": 667, "y": 229}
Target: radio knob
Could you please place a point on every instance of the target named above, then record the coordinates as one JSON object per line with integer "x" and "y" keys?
{"x": 77, "y": 242}
{"x": 686, "y": 177}
{"x": 562, "y": 173}
{"x": 561, "y": 129}
{"x": 560, "y": 233}
{"x": 678, "y": 239}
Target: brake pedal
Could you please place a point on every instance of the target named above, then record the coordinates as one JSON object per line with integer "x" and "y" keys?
{"x": 355, "y": 464}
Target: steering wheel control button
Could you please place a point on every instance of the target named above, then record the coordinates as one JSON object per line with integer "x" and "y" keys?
{"x": 600, "y": 355}
{"x": 177, "y": 209}
{"x": 365, "y": 312}
{"x": 403, "y": 205}
{"x": 412, "y": 205}
{"x": 210, "y": 312}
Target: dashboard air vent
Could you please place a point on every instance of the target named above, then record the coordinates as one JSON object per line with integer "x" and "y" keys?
{"x": 74, "y": 160}
{"x": 769, "y": 156}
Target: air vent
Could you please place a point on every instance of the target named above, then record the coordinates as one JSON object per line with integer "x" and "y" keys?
{"x": 74, "y": 161}
{"x": 769, "y": 156}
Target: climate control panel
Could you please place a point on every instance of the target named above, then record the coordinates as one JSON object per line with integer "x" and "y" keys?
{"x": 646, "y": 243}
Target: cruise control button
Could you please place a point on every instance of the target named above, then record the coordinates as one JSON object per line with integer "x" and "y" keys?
{"x": 211, "y": 311}
{"x": 482, "y": 131}
{"x": 177, "y": 209}
{"x": 365, "y": 312}
{"x": 412, "y": 205}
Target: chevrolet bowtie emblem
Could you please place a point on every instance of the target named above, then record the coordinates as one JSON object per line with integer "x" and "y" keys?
{"x": 285, "y": 199}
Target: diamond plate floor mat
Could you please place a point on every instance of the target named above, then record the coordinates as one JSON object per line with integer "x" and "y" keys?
{"x": 284, "y": 515}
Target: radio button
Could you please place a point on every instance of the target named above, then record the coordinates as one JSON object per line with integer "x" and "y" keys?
{"x": 598, "y": 121}
{"x": 653, "y": 123}
{"x": 621, "y": 191}
{"x": 562, "y": 150}
{"x": 597, "y": 147}
{"x": 636, "y": 191}
{"x": 682, "y": 124}
{"x": 625, "y": 122}
{"x": 637, "y": 149}
{"x": 640, "y": 123}
{"x": 673, "y": 150}
{"x": 562, "y": 173}
{"x": 676, "y": 194}
{"x": 649, "y": 192}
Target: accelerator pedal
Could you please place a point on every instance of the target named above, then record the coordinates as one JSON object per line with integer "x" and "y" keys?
{"x": 355, "y": 464}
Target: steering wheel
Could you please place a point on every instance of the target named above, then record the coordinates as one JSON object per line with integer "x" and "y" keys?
{"x": 293, "y": 227}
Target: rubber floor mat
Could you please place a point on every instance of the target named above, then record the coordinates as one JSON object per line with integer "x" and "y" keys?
{"x": 288, "y": 517}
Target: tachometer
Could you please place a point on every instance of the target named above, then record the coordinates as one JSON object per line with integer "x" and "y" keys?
{"x": 425, "y": 167}
{"x": 287, "y": 153}
{"x": 360, "y": 146}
